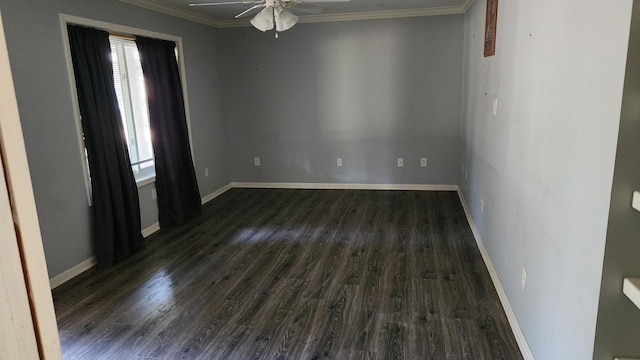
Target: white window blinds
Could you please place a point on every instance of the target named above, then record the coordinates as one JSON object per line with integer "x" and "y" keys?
{"x": 132, "y": 101}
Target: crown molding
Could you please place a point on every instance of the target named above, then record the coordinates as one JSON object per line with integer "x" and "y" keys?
{"x": 389, "y": 14}
{"x": 164, "y": 8}
{"x": 174, "y": 11}
{"x": 466, "y": 5}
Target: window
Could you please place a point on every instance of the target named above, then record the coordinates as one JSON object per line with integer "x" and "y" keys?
{"x": 132, "y": 101}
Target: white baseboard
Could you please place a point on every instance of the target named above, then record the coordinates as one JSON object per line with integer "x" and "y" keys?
{"x": 343, "y": 186}
{"x": 155, "y": 227}
{"x": 506, "y": 305}
{"x": 150, "y": 230}
{"x": 89, "y": 263}
{"x": 216, "y": 193}
{"x": 73, "y": 272}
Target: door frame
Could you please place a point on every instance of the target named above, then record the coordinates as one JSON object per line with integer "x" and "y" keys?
{"x": 25, "y": 217}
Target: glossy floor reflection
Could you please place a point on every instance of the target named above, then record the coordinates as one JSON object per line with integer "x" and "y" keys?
{"x": 296, "y": 274}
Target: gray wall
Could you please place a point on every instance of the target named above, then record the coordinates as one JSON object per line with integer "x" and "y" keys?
{"x": 34, "y": 40}
{"x": 618, "y": 327}
{"x": 148, "y": 205}
{"x": 544, "y": 164}
{"x": 366, "y": 91}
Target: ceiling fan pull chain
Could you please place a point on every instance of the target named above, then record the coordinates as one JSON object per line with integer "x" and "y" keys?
{"x": 276, "y": 34}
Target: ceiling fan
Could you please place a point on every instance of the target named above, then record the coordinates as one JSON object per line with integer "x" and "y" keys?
{"x": 274, "y": 12}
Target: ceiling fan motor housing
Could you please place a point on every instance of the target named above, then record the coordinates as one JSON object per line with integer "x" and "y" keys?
{"x": 272, "y": 3}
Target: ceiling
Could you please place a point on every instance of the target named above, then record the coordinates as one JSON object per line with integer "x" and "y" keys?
{"x": 223, "y": 15}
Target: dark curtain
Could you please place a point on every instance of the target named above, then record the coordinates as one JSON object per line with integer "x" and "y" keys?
{"x": 116, "y": 210}
{"x": 177, "y": 188}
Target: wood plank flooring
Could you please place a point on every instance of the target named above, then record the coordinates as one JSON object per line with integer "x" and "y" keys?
{"x": 296, "y": 274}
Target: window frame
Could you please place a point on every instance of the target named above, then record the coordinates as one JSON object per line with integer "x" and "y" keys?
{"x": 65, "y": 20}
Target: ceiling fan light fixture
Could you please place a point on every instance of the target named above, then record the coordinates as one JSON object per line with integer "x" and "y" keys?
{"x": 285, "y": 19}
{"x": 264, "y": 20}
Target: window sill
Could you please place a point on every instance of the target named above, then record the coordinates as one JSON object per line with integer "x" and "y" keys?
{"x": 145, "y": 181}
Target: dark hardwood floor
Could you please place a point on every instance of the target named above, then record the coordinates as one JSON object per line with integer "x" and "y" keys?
{"x": 296, "y": 274}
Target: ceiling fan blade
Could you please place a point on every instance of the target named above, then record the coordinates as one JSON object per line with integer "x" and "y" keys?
{"x": 306, "y": 8}
{"x": 249, "y": 10}
{"x": 226, "y": 3}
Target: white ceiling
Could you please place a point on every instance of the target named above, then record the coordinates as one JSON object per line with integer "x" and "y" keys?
{"x": 223, "y": 15}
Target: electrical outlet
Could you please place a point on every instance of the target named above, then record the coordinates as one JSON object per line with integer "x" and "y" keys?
{"x": 256, "y": 161}
{"x": 400, "y": 162}
{"x": 154, "y": 194}
{"x": 523, "y": 280}
{"x": 339, "y": 162}
{"x": 481, "y": 205}
{"x": 423, "y": 162}
{"x": 206, "y": 172}
{"x": 495, "y": 107}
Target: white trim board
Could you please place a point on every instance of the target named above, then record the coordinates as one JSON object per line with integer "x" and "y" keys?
{"x": 91, "y": 262}
{"x": 190, "y": 15}
{"x": 216, "y": 193}
{"x": 40, "y": 325}
{"x": 631, "y": 288}
{"x": 73, "y": 272}
{"x": 504, "y": 300}
{"x": 148, "y": 231}
{"x": 175, "y": 11}
{"x": 342, "y": 186}
{"x": 97, "y": 24}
